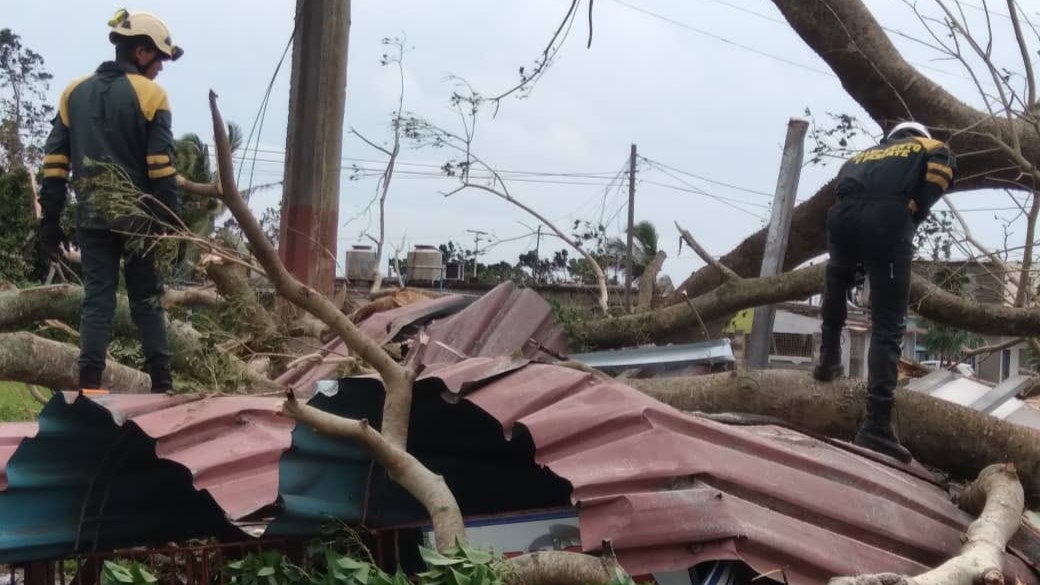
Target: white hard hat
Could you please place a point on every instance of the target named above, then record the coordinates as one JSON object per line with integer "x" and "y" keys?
{"x": 914, "y": 127}
{"x": 146, "y": 24}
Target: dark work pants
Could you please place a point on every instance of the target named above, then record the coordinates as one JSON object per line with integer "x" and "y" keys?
{"x": 877, "y": 232}
{"x": 101, "y": 252}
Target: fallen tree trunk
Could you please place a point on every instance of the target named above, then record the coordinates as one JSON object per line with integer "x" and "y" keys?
{"x": 730, "y": 297}
{"x": 926, "y": 299}
{"x": 998, "y": 493}
{"x": 22, "y": 307}
{"x": 28, "y": 358}
{"x": 942, "y": 434}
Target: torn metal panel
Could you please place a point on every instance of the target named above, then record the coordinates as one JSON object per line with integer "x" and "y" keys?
{"x": 381, "y": 327}
{"x": 660, "y": 358}
{"x": 507, "y": 321}
{"x": 670, "y": 490}
{"x": 121, "y": 470}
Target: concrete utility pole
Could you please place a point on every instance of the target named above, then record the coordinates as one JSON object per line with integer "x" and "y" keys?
{"x": 537, "y": 251}
{"x": 314, "y": 142}
{"x": 776, "y": 241}
{"x": 631, "y": 222}
{"x": 476, "y": 249}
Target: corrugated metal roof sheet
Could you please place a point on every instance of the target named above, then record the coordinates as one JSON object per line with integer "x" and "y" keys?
{"x": 716, "y": 351}
{"x": 381, "y": 327}
{"x": 670, "y": 490}
{"x": 507, "y": 321}
{"x": 121, "y": 469}
{"x": 11, "y": 435}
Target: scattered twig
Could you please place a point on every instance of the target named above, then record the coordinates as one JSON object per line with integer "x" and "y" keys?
{"x": 693, "y": 308}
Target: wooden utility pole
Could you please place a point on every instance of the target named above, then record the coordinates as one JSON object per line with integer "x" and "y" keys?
{"x": 631, "y": 222}
{"x": 314, "y": 142}
{"x": 776, "y": 241}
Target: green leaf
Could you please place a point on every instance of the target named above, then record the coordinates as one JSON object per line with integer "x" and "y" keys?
{"x": 142, "y": 575}
{"x": 348, "y": 563}
{"x": 460, "y": 578}
{"x": 361, "y": 574}
{"x": 235, "y": 565}
{"x": 478, "y": 556}
{"x": 436, "y": 559}
{"x": 265, "y": 572}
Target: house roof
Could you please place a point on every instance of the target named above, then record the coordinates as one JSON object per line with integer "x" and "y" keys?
{"x": 665, "y": 488}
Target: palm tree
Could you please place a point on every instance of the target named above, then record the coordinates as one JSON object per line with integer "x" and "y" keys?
{"x": 644, "y": 248}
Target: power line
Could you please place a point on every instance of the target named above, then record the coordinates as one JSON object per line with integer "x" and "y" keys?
{"x": 708, "y": 180}
{"x": 725, "y": 40}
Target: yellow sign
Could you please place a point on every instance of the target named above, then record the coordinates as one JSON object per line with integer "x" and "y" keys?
{"x": 741, "y": 322}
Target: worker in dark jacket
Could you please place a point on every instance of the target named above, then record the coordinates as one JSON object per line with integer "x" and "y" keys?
{"x": 881, "y": 195}
{"x": 120, "y": 117}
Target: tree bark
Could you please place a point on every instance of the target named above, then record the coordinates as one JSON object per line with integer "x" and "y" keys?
{"x": 62, "y": 302}
{"x": 981, "y": 560}
{"x": 872, "y": 72}
{"x": 231, "y": 283}
{"x": 726, "y": 299}
{"x": 938, "y": 433}
{"x": 648, "y": 281}
{"x": 25, "y": 357}
{"x": 559, "y": 568}
{"x": 397, "y": 379}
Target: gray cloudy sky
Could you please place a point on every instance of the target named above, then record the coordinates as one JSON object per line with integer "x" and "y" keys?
{"x": 704, "y": 87}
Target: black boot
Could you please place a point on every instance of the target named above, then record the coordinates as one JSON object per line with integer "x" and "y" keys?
{"x": 90, "y": 378}
{"x": 162, "y": 380}
{"x": 829, "y": 366}
{"x": 876, "y": 433}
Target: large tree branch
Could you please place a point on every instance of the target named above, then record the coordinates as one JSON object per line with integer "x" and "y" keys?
{"x": 847, "y": 36}
{"x": 426, "y": 486}
{"x": 559, "y": 567}
{"x": 397, "y": 379}
{"x": 27, "y": 358}
{"x": 981, "y": 560}
{"x": 730, "y": 297}
{"x": 938, "y": 433}
{"x": 20, "y": 308}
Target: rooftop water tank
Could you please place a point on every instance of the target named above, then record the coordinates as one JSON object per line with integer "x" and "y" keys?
{"x": 426, "y": 264}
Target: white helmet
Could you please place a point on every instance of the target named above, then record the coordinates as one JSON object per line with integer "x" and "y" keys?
{"x": 146, "y": 24}
{"x": 914, "y": 127}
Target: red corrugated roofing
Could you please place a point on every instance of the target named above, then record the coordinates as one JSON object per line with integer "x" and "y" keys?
{"x": 230, "y": 444}
{"x": 381, "y": 327}
{"x": 670, "y": 490}
{"x": 11, "y": 435}
{"x": 507, "y": 321}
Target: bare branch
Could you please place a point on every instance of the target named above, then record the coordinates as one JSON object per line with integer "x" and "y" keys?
{"x": 1023, "y": 47}
{"x": 999, "y": 495}
{"x": 726, "y": 271}
{"x": 398, "y": 380}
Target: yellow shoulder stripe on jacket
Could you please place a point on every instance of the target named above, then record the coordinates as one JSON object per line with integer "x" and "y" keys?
{"x": 158, "y": 159}
{"x": 63, "y": 104}
{"x": 150, "y": 96}
{"x": 930, "y": 144}
{"x": 55, "y": 173}
{"x": 162, "y": 173}
{"x": 55, "y": 159}
{"x": 938, "y": 179}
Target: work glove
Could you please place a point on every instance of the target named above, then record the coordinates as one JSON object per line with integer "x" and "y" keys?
{"x": 52, "y": 239}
